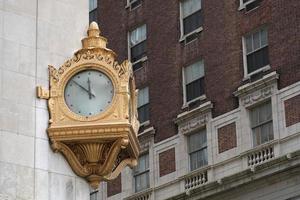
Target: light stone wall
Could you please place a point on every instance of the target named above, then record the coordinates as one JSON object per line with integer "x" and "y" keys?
{"x": 34, "y": 34}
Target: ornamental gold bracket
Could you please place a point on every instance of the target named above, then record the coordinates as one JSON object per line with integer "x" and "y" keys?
{"x": 42, "y": 93}
{"x": 99, "y": 146}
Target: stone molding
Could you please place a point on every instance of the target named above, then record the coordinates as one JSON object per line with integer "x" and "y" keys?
{"x": 258, "y": 91}
{"x": 192, "y": 120}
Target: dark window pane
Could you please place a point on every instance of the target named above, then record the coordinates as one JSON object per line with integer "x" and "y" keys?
{"x": 192, "y": 22}
{"x": 134, "y": 4}
{"x": 143, "y": 113}
{"x": 93, "y": 15}
{"x": 195, "y": 89}
{"x": 191, "y": 37}
{"x": 138, "y": 51}
{"x": 253, "y": 5}
{"x": 258, "y": 59}
{"x": 137, "y": 66}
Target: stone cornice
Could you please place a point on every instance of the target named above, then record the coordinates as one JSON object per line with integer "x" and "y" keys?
{"x": 266, "y": 80}
{"x": 187, "y": 115}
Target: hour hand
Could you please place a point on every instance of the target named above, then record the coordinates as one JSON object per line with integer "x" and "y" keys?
{"x": 84, "y": 89}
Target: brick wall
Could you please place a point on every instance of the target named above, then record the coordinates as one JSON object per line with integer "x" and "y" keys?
{"x": 114, "y": 186}
{"x": 219, "y": 45}
{"x": 292, "y": 110}
{"x": 227, "y": 137}
{"x": 167, "y": 162}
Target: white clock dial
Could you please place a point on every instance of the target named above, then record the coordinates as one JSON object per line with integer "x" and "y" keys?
{"x": 89, "y": 93}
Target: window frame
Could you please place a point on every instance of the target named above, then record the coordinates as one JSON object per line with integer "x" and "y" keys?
{"x": 129, "y": 4}
{"x": 144, "y": 58}
{"x": 201, "y": 97}
{"x": 245, "y": 54}
{"x": 243, "y": 5}
{"x": 252, "y": 127}
{"x": 141, "y": 173}
{"x": 182, "y": 35}
{"x": 198, "y": 150}
{"x": 146, "y": 122}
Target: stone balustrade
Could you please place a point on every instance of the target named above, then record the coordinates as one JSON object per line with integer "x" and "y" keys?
{"x": 261, "y": 155}
{"x": 195, "y": 179}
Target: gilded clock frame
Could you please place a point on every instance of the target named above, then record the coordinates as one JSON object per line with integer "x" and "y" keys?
{"x": 97, "y": 147}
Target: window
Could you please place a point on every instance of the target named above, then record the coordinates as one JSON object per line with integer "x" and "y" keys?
{"x": 141, "y": 173}
{"x": 143, "y": 105}
{"x": 261, "y": 123}
{"x": 249, "y": 4}
{"x": 92, "y": 10}
{"x": 256, "y": 51}
{"x": 197, "y": 149}
{"x": 191, "y": 16}
{"x": 193, "y": 81}
{"x": 137, "y": 45}
{"x": 134, "y": 3}
{"x": 94, "y": 195}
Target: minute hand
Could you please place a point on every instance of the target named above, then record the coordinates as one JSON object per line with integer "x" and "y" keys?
{"x": 84, "y": 88}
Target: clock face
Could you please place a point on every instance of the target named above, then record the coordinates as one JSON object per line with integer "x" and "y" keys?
{"x": 89, "y": 92}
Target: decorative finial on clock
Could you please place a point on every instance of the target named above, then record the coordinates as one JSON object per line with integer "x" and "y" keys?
{"x": 94, "y": 40}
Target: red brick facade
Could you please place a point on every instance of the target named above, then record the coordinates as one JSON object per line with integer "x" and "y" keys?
{"x": 227, "y": 137}
{"x": 219, "y": 45}
{"x": 292, "y": 110}
{"x": 114, "y": 186}
{"x": 167, "y": 163}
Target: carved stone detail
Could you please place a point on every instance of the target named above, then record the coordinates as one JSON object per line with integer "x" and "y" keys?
{"x": 193, "y": 124}
{"x": 257, "y": 96}
{"x": 97, "y": 147}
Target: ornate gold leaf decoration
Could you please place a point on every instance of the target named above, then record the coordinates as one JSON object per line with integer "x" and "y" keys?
{"x": 96, "y": 147}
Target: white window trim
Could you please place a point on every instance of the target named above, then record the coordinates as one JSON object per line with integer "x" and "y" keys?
{"x": 128, "y": 5}
{"x": 243, "y": 5}
{"x": 182, "y": 36}
{"x": 143, "y": 59}
{"x": 187, "y": 103}
{"x": 145, "y": 123}
{"x": 246, "y": 74}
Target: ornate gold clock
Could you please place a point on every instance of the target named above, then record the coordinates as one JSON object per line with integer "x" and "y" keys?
{"x": 93, "y": 111}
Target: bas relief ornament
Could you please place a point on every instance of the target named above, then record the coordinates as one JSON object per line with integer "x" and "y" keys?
{"x": 97, "y": 147}
{"x": 257, "y": 96}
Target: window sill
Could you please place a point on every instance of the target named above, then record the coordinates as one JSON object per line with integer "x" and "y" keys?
{"x": 196, "y": 171}
{"x": 143, "y": 59}
{"x": 183, "y": 37}
{"x": 202, "y": 108}
{"x": 139, "y": 194}
{"x": 145, "y": 123}
{"x": 263, "y": 69}
{"x": 186, "y": 104}
{"x": 128, "y": 6}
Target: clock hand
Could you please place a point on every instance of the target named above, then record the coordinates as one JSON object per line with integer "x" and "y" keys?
{"x": 89, "y": 86}
{"x": 83, "y": 88}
